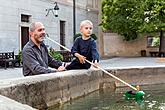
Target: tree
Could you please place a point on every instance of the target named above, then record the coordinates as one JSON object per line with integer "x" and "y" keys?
{"x": 131, "y": 17}
{"x": 117, "y": 17}
{"x": 152, "y": 16}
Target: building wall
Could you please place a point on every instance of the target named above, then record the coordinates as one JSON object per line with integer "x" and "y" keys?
{"x": 115, "y": 46}
{"x": 10, "y": 20}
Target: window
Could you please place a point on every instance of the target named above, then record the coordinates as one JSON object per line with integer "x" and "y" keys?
{"x": 92, "y": 4}
{"x": 25, "y": 18}
{"x": 153, "y": 41}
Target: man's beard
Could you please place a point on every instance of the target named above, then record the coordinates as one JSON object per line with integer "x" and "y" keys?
{"x": 38, "y": 40}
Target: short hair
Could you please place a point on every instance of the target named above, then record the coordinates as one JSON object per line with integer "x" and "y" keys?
{"x": 85, "y": 22}
{"x": 33, "y": 26}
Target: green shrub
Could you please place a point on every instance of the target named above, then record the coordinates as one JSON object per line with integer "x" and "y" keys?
{"x": 56, "y": 55}
{"x": 52, "y": 52}
{"x": 19, "y": 56}
{"x": 79, "y": 34}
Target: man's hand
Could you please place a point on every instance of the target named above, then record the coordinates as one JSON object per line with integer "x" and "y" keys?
{"x": 80, "y": 57}
{"x": 61, "y": 68}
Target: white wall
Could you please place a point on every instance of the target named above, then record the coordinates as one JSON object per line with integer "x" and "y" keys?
{"x": 10, "y": 20}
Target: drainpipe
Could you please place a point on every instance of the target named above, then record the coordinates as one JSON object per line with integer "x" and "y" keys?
{"x": 74, "y": 18}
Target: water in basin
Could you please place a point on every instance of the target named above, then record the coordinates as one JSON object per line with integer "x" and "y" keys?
{"x": 108, "y": 99}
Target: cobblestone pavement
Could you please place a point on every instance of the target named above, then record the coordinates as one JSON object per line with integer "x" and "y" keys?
{"x": 113, "y": 63}
{"x": 139, "y": 62}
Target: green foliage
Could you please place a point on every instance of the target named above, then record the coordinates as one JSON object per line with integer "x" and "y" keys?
{"x": 52, "y": 52}
{"x": 156, "y": 41}
{"x": 79, "y": 34}
{"x": 94, "y": 36}
{"x": 117, "y": 17}
{"x": 130, "y": 17}
{"x": 19, "y": 57}
{"x": 56, "y": 55}
{"x": 152, "y": 15}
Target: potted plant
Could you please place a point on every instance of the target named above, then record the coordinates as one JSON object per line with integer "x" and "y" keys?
{"x": 56, "y": 55}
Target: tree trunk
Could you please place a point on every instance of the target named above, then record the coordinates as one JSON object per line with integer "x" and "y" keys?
{"x": 162, "y": 38}
{"x": 162, "y": 44}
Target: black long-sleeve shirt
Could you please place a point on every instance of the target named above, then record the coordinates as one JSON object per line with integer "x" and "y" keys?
{"x": 36, "y": 61}
{"x": 86, "y": 48}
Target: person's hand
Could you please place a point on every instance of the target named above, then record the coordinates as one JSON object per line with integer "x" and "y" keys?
{"x": 80, "y": 57}
{"x": 61, "y": 68}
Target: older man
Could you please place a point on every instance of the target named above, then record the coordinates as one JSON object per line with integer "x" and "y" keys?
{"x": 35, "y": 54}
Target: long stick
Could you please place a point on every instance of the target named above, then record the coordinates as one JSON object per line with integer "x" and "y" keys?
{"x": 95, "y": 65}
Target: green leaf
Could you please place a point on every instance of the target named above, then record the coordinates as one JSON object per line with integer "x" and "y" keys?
{"x": 131, "y": 17}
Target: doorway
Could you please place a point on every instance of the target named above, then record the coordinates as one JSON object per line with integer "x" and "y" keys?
{"x": 24, "y": 36}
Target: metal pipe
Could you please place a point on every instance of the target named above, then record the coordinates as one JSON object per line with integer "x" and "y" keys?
{"x": 74, "y": 18}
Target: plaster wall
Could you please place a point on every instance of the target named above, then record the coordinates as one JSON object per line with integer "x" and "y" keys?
{"x": 114, "y": 45}
{"x": 10, "y": 20}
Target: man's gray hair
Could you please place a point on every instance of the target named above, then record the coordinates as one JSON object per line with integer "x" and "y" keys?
{"x": 32, "y": 26}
